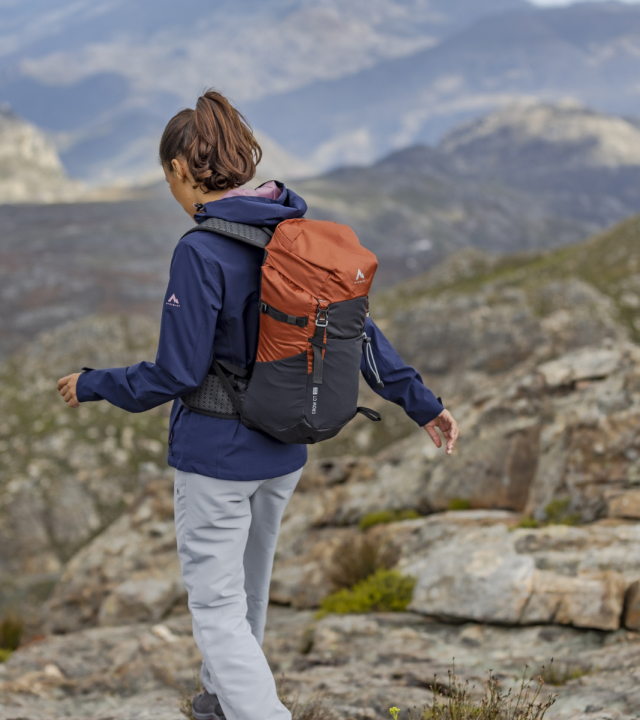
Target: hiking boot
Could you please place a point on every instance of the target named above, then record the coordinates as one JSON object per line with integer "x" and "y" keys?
{"x": 206, "y": 706}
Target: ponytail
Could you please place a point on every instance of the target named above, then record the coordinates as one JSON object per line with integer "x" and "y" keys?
{"x": 216, "y": 142}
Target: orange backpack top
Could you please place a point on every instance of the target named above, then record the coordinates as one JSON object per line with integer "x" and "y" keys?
{"x": 303, "y": 386}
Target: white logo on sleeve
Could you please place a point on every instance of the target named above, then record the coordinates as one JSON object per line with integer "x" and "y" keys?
{"x": 359, "y": 276}
{"x": 173, "y": 301}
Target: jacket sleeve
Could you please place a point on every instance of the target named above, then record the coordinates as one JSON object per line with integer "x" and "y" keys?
{"x": 402, "y": 383}
{"x": 185, "y": 351}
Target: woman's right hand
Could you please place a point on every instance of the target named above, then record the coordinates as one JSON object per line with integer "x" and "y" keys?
{"x": 67, "y": 388}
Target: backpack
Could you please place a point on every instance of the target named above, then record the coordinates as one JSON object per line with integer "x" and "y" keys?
{"x": 303, "y": 386}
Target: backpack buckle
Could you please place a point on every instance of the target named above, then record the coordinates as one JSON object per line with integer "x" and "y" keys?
{"x": 322, "y": 317}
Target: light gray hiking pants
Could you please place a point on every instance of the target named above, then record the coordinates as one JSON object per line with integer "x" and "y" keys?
{"x": 227, "y": 532}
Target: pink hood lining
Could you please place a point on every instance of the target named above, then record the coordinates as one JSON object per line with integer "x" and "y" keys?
{"x": 268, "y": 190}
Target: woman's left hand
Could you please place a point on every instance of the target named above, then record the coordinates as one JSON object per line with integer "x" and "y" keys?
{"x": 448, "y": 427}
{"x": 67, "y": 388}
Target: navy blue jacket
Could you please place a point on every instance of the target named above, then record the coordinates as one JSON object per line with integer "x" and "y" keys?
{"x": 212, "y": 299}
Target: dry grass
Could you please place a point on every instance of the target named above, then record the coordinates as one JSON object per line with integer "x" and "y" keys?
{"x": 316, "y": 708}
{"x": 453, "y": 701}
{"x": 561, "y": 673}
{"x": 186, "y": 696}
{"x": 356, "y": 560}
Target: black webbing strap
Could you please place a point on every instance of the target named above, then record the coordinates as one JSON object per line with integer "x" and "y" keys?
{"x": 318, "y": 346}
{"x": 234, "y": 369}
{"x": 233, "y": 395}
{"x": 249, "y": 234}
{"x": 318, "y": 343}
{"x": 370, "y": 414}
{"x": 283, "y": 317}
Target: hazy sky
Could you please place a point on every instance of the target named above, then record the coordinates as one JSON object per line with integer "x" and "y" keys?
{"x": 569, "y": 2}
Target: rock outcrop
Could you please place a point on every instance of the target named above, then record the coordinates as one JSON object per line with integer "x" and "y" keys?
{"x": 556, "y": 442}
{"x": 130, "y": 573}
{"x": 67, "y": 474}
{"x": 30, "y": 169}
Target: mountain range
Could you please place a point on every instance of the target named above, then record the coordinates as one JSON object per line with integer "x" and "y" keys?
{"x": 331, "y": 82}
{"x": 105, "y": 76}
{"x": 530, "y": 176}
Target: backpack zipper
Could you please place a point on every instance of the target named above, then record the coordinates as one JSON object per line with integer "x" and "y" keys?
{"x": 371, "y": 361}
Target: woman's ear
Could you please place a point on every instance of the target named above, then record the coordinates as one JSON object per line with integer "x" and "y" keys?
{"x": 179, "y": 167}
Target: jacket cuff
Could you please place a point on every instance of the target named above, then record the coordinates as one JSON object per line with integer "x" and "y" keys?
{"x": 430, "y": 408}
{"x": 84, "y": 393}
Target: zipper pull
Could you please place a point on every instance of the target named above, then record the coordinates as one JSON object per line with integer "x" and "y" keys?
{"x": 371, "y": 362}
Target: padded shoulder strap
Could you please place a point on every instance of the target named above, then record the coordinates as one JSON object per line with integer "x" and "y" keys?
{"x": 249, "y": 234}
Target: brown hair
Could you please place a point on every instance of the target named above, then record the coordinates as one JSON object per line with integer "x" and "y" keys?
{"x": 215, "y": 140}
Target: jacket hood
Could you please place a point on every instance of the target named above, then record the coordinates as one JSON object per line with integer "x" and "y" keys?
{"x": 259, "y": 211}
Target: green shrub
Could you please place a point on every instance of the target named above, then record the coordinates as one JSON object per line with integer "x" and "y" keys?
{"x": 558, "y": 513}
{"x": 5, "y": 654}
{"x": 384, "y": 591}
{"x": 11, "y": 630}
{"x": 459, "y": 504}
{"x": 562, "y": 673}
{"x": 528, "y": 522}
{"x": 357, "y": 558}
{"x": 387, "y": 516}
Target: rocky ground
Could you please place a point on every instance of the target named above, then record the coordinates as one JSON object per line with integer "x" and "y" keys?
{"x": 361, "y": 664}
{"x": 115, "y": 636}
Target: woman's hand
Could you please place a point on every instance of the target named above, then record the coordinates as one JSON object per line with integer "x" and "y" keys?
{"x": 67, "y": 388}
{"x": 448, "y": 427}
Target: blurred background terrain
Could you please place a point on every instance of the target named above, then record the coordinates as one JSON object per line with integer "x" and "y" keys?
{"x": 488, "y": 151}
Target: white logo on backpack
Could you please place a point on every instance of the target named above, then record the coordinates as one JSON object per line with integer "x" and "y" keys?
{"x": 359, "y": 276}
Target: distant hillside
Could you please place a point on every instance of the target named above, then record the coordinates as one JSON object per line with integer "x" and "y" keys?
{"x": 476, "y": 312}
{"x": 527, "y": 177}
{"x": 30, "y": 168}
{"x": 577, "y": 162}
{"x": 64, "y": 262}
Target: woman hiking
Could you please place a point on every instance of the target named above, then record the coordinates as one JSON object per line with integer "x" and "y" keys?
{"x": 232, "y": 483}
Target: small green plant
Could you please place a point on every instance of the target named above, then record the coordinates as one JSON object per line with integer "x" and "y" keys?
{"x": 562, "y": 673}
{"x": 5, "y": 654}
{"x": 557, "y": 512}
{"x": 11, "y": 631}
{"x": 528, "y": 522}
{"x": 459, "y": 504}
{"x": 386, "y": 516}
{"x": 308, "y": 639}
{"x": 454, "y": 701}
{"x": 357, "y": 558}
{"x": 384, "y": 591}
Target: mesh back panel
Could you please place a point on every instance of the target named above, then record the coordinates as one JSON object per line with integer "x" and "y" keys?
{"x": 211, "y": 398}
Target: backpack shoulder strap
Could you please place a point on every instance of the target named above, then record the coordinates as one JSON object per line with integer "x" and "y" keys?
{"x": 249, "y": 234}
